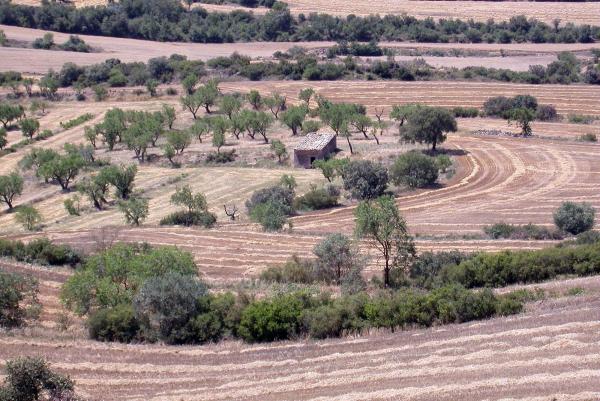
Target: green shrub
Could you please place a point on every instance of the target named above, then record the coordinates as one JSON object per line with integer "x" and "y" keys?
{"x": 508, "y": 267}
{"x": 318, "y": 198}
{"x": 221, "y": 157}
{"x": 40, "y": 251}
{"x": 31, "y": 379}
{"x": 522, "y": 232}
{"x": 574, "y": 218}
{"x": 271, "y": 215}
{"x": 18, "y": 299}
{"x": 77, "y": 121}
{"x": 188, "y": 219}
{"x": 508, "y": 306}
{"x": 279, "y": 318}
{"x": 166, "y": 305}
{"x": 415, "y": 170}
{"x": 365, "y": 179}
{"x": 114, "y": 324}
{"x": 581, "y": 119}
{"x": 426, "y": 267}
{"x": 465, "y": 112}
{"x": 114, "y": 276}
{"x": 294, "y": 270}
{"x": 589, "y": 137}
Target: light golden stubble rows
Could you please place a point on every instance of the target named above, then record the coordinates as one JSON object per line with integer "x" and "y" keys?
{"x": 548, "y": 352}
{"x": 581, "y": 99}
{"x": 580, "y": 13}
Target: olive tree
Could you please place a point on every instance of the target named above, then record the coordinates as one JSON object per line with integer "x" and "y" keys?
{"x": 380, "y": 223}
{"x": 11, "y": 186}
{"x": 337, "y": 256}
{"x": 134, "y": 209}
{"x": 429, "y": 125}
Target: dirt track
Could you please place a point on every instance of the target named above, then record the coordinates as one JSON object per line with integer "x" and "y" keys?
{"x": 548, "y": 353}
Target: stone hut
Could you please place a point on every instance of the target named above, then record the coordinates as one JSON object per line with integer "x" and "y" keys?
{"x": 314, "y": 147}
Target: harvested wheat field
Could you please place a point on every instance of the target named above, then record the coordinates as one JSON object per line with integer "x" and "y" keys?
{"x": 581, "y": 13}
{"x": 549, "y": 352}
{"x": 581, "y": 99}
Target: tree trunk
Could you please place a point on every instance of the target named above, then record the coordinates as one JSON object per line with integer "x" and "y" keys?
{"x": 350, "y": 145}
{"x": 434, "y": 144}
{"x": 386, "y": 273}
{"x": 207, "y": 107}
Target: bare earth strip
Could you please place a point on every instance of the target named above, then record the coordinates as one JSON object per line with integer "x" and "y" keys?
{"x": 550, "y": 352}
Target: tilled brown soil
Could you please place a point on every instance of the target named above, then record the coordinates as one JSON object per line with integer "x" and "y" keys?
{"x": 550, "y": 352}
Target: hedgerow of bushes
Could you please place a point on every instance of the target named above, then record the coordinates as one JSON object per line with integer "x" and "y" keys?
{"x": 40, "y": 251}
{"x": 168, "y": 20}
{"x": 511, "y": 267}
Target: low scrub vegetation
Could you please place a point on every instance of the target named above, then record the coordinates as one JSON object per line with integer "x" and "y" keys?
{"x": 18, "y": 300}
{"x": 40, "y": 251}
{"x": 508, "y": 267}
{"x": 522, "y": 232}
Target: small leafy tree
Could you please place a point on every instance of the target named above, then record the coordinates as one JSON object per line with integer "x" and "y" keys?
{"x": 134, "y": 209}
{"x": 91, "y": 134}
{"x": 29, "y": 127}
{"x": 169, "y": 114}
{"x": 230, "y": 105}
{"x": 207, "y": 95}
{"x": 63, "y": 169}
{"x": 189, "y": 83}
{"x": 276, "y": 103}
{"x": 294, "y": 117}
{"x": 11, "y": 186}
{"x": 380, "y": 223}
{"x": 429, "y": 125}
{"x": 331, "y": 168}
{"x": 403, "y": 112}
{"x": 192, "y": 103}
{"x": 255, "y": 99}
{"x": 279, "y": 149}
{"x": 138, "y": 136}
{"x": 193, "y": 202}
{"x": 72, "y": 205}
{"x": 49, "y": 85}
{"x": 28, "y": 217}
{"x": 10, "y": 113}
{"x": 362, "y": 124}
{"x": 100, "y": 92}
{"x": 170, "y": 153}
{"x": 523, "y": 118}
{"x": 95, "y": 188}
{"x": 122, "y": 178}
{"x": 179, "y": 140}
{"x": 365, "y": 179}
{"x": 199, "y": 128}
{"x": 575, "y": 218}
{"x": 337, "y": 257}
{"x": 151, "y": 87}
{"x": 113, "y": 127}
{"x": 305, "y": 95}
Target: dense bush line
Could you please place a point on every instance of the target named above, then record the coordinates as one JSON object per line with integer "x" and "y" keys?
{"x": 40, "y": 251}
{"x": 522, "y": 232}
{"x": 170, "y": 21}
{"x": 508, "y": 267}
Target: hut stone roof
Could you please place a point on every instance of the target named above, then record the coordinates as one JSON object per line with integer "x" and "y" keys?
{"x": 315, "y": 141}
